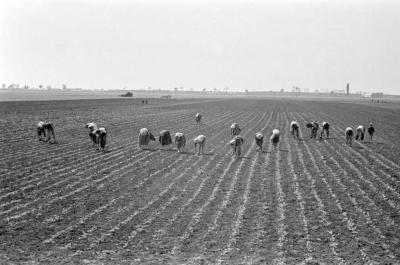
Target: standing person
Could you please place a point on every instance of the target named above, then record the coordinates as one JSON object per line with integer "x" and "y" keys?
{"x": 259, "y": 138}
{"x": 371, "y": 131}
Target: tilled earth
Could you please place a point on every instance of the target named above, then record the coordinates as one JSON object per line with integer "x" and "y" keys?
{"x": 308, "y": 201}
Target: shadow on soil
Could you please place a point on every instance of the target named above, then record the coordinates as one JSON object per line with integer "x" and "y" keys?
{"x": 169, "y": 149}
{"x": 150, "y": 149}
{"x": 107, "y": 151}
{"x": 372, "y": 143}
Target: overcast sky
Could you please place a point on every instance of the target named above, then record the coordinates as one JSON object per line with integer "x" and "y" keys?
{"x": 255, "y": 45}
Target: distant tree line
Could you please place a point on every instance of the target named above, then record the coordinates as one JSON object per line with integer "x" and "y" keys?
{"x": 127, "y": 94}
{"x": 377, "y": 95}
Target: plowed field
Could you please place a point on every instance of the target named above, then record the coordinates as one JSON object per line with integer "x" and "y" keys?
{"x": 308, "y": 201}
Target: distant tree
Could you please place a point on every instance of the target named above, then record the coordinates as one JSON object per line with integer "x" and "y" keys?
{"x": 296, "y": 90}
{"x": 246, "y": 91}
{"x": 377, "y": 95}
{"x": 282, "y": 90}
{"x": 127, "y": 94}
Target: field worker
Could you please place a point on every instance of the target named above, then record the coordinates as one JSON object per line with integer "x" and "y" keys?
{"x": 46, "y": 130}
{"x": 235, "y": 129}
{"x": 371, "y": 131}
{"x": 145, "y": 136}
{"x": 259, "y": 139}
{"x": 349, "y": 135}
{"x": 294, "y": 129}
{"x": 201, "y": 141}
{"x": 165, "y": 138}
{"x": 236, "y": 144}
{"x": 101, "y": 136}
{"x": 360, "y": 133}
{"x": 275, "y": 137}
{"x": 180, "y": 141}
{"x": 197, "y": 118}
{"x": 313, "y": 126}
{"x": 325, "y": 128}
{"x": 92, "y": 128}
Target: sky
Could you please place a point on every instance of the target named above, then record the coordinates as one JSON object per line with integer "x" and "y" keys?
{"x": 254, "y": 45}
